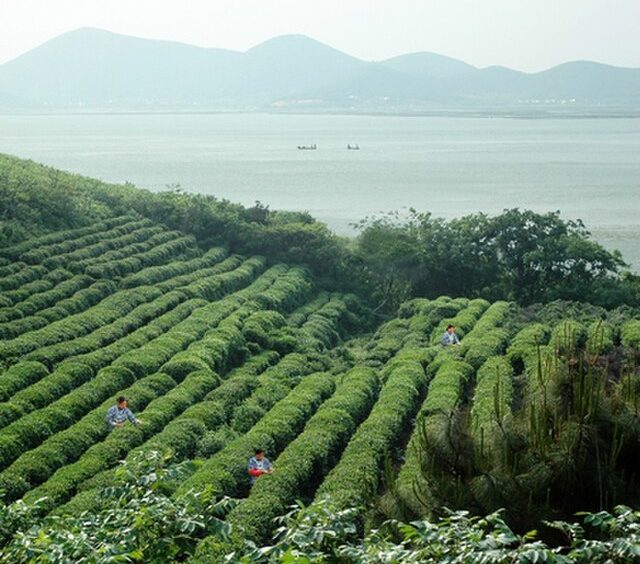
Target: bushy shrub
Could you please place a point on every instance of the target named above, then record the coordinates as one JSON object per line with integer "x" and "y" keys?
{"x": 20, "y": 376}
{"x": 63, "y": 241}
{"x": 21, "y": 277}
{"x": 484, "y": 345}
{"x": 183, "y": 434}
{"x": 107, "y": 311}
{"x": 259, "y": 326}
{"x": 464, "y": 319}
{"x": 300, "y": 315}
{"x": 431, "y": 427}
{"x": 29, "y": 431}
{"x": 568, "y": 336}
{"x": 354, "y": 480}
{"x": 14, "y": 329}
{"x": 183, "y": 364}
{"x": 153, "y": 253}
{"x": 138, "y": 519}
{"x": 492, "y": 407}
{"x": 228, "y": 264}
{"x": 8, "y": 313}
{"x": 214, "y": 441}
{"x": 36, "y": 465}
{"x": 52, "y": 386}
{"x": 107, "y": 249}
{"x": 47, "y": 299}
{"x": 161, "y": 409}
{"x": 527, "y": 339}
{"x": 156, "y": 274}
{"x": 630, "y": 334}
{"x": 323, "y": 532}
{"x": 28, "y": 289}
{"x": 600, "y": 337}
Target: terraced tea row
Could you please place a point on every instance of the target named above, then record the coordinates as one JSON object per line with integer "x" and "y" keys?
{"x": 229, "y": 411}
{"x": 346, "y": 440}
{"x": 165, "y": 333}
{"x": 34, "y": 291}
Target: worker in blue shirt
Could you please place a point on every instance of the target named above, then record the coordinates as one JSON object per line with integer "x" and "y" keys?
{"x": 259, "y": 464}
{"x": 119, "y": 413}
{"x": 450, "y": 337}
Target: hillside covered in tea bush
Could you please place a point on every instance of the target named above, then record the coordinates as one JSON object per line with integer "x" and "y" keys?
{"x": 231, "y": 329}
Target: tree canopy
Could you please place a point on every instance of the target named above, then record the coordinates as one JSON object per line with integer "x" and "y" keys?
{"x": 517, "y": 255}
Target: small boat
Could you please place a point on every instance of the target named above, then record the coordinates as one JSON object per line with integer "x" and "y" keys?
{"x": 307, "y": 147}
{"x": 355, "y": 147}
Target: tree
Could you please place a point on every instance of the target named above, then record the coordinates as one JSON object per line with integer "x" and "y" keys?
{"x": 517, "y": 255}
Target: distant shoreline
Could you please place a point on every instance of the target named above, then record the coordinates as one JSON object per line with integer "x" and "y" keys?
{"x": 462, "y": 113}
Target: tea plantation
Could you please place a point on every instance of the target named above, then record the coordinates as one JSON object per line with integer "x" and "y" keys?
{"x": 536, "y": 411}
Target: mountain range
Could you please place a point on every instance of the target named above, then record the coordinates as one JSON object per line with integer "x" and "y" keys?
{"x": 96, "y": 69}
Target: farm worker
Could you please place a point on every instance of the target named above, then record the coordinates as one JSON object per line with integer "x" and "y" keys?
{"x": 258, "y": 465}
{"x": 450, "y": 337}
{"x": 119, "y": 413}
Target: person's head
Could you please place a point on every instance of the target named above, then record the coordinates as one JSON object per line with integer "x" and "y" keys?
{"x": 122, "y": 402}
{"x": 259, "y": 454}
{"x": 451, "y": 328}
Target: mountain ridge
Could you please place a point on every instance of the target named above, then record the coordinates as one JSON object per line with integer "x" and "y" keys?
{"x": 94, "y": 68}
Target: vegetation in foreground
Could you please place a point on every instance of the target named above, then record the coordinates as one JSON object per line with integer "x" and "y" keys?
{"x": 141, "y": 522}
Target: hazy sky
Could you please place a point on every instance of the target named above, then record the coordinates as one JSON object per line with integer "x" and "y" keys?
{"x": 528, "y": 35}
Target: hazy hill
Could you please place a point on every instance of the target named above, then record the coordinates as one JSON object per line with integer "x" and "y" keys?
{"x": 91, "y": 68}
{"x": 292, "y": 65}
{"x": 430, "y": 64}
{"x": 94, "y": 67}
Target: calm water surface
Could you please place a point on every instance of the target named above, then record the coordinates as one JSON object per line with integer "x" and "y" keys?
{"x": 586, "y": 168}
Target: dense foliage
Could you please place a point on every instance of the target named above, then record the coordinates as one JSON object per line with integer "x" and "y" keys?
{"x": 546, "y": 429}
{"x": 141, "y": 522}
{"x": 324, "y": 533}
{"x": 517, "y": 255}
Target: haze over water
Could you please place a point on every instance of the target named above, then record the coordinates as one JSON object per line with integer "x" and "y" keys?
{"x": 586, "y": 168}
